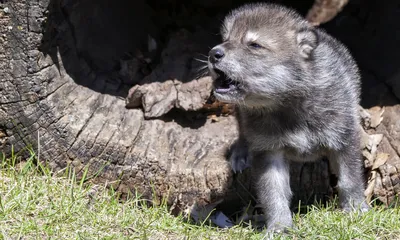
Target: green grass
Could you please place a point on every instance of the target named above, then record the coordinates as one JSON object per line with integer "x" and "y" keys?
{"x": 36, "y": 205}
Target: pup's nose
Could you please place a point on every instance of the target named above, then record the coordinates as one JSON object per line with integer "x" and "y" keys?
{"x": 216, "y": 54}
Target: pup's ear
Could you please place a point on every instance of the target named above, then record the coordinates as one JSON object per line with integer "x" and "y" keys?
{"x": 307, "y": 41}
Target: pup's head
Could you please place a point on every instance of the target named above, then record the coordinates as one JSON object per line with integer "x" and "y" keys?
{"x": 263, "y": 51}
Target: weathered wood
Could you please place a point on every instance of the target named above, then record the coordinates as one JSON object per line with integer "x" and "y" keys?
{"x": 179, "y": 81}
{"x": 62, "y": 82}
{"x": 384, "y": 178}
{"x": 323, "y": 11}
{"x": 53, "y": 100}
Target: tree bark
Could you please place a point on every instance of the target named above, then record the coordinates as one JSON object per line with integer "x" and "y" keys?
{"x": 63, "y": 93}
{"x": 323, "y": 11}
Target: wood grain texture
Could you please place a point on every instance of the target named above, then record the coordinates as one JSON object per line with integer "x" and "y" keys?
{"x": 59, "y": 83}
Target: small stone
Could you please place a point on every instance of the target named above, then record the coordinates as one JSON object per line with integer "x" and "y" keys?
{"x": 9, "y": 27}
{"x": 6, "y": 10}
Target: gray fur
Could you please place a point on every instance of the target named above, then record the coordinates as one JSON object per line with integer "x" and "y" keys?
{"x": 297, "y": 100}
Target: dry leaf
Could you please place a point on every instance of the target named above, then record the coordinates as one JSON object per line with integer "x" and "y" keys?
{"x": 381, "y": 159}
{"x": 369, "y": 192}
{"x": 2, "y": 134}
{"x": 219, "y": 219}
{"x": 376, "y": 116}
{"x": 373, "y": 142}
{"x": 201, "y": 213}
{"x": 213, "y": 118}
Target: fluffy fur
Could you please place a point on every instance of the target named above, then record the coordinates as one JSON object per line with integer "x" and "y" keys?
{"x": 297, "y": 92}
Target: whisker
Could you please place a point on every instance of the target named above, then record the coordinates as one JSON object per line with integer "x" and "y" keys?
{"x": 202, "y": 68}
{"x": 202, "y": 55}
{"x": 201, "y": 72}
{"x": 200, "y": 60}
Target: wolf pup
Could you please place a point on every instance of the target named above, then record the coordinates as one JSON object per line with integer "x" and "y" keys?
{"x": 296, "y": 90}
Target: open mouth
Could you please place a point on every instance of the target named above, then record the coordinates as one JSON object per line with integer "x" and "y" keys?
{"x": 224, "y": 84}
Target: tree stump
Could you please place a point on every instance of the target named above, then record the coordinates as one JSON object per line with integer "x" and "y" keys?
{"x": 67, "y": 67}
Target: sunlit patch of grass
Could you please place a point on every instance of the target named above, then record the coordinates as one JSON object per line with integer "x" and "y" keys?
{"x": 35, "y": 204}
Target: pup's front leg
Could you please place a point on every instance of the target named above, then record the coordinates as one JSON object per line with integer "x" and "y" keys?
{"x": 239, "y": 157}
{"x": 271, "y": 172}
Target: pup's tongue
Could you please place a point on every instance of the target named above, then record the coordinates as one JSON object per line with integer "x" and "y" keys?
{"x": 225, "y": 88}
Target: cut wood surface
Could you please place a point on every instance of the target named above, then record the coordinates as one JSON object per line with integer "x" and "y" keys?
{"x": 66, "y": 83}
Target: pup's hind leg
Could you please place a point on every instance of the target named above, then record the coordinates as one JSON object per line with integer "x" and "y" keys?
{"x": 348, "y": 166}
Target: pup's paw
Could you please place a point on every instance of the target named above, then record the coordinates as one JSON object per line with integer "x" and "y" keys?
{"x": 361, "y": 207}
{"x": 280, "y": 227}
{"x": 239, "y": 157}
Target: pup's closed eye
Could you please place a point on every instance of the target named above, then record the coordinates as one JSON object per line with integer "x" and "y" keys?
{"x": 255, "y": 45}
